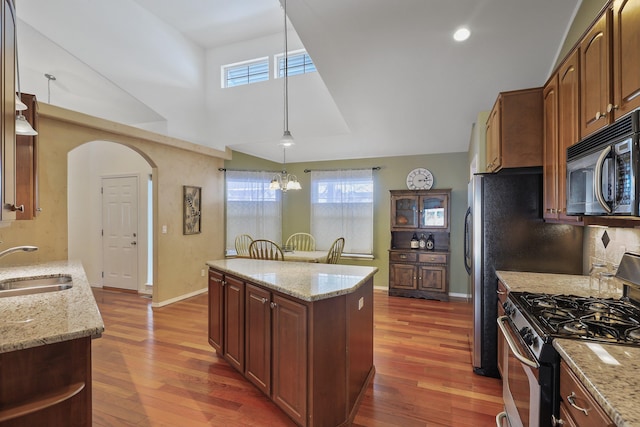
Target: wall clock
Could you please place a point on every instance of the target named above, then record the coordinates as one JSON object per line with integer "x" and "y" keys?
{"x": 419, "y": 179}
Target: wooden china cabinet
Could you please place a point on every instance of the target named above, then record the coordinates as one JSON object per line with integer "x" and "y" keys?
{"x": 420, "y": 273}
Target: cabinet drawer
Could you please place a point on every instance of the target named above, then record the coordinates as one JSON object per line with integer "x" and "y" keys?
{"x": 403, "y": 256}
{"x": 433, "y": 258}
{"x": 571, "y": 391}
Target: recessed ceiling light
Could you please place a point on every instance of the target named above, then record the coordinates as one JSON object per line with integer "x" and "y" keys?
{"x": 461, "y": 34}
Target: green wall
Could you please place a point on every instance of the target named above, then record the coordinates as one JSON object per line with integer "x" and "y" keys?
{"x": 449, "y": 170}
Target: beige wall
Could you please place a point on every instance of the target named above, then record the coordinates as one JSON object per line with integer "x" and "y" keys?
{"x": 179, "y": 259}
{"x": 450, "y": 171}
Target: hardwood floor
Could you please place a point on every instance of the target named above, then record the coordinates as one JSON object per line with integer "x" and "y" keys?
{"x": 156, "y": 368}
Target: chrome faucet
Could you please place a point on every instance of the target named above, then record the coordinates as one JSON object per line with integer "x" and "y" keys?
{"x": 18, "y": 249}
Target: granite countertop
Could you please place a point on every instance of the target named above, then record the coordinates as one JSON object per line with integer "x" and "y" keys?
{"x": 614, "y": 386}
{"x": 32, "y": 320}
{"x": 548, "y": 283}
{"x": 611, "y": 374}
{"x": 302, "y": 280}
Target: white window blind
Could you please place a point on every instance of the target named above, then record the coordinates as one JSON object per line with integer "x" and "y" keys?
{"x": 244, "y": 73}
{"x": 251, "y": 207}
{"x": 342, "y": 206}
{"x": 299, "y": 63}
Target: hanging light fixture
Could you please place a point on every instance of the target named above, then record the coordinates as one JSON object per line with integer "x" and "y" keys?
{"x": 22, "y": 125}
{"x": 284, "y": 181}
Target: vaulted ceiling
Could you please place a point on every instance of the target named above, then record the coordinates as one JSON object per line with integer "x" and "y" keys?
{"x": 391, "y": 80}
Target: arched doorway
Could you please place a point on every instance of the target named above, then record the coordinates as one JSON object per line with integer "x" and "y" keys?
{"x": 89, "y": 166}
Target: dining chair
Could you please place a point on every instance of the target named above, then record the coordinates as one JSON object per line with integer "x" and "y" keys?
{"x": 301, "y": 242}
{"x": 333, "y": 256}
{"x": 242, "y": 244}
{"x": 265, "y": 249}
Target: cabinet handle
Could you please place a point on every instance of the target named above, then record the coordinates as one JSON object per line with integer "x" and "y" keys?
{"x": 499, "y": 292}
{"x": 217, "y": 280}
{"x": 611, "y": 107}
{"x": 264, "y": 300}
{"x": 571, "y": 399}
{"x": 403, "y": 256}
{"x": 273, "y": 305}
{"x": 555, "y": 422}
{"x": 600, "y": 115}
{"x": 15, "y": 208}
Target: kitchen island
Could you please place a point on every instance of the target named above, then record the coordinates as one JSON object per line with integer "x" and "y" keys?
{"x": 302, "y": 333}
{"x": 609, "y": 372}
{"x": 45, "y": 349}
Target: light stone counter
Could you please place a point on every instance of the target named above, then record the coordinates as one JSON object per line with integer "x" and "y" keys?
{"x": 557, "y": 284}
{"x": 302, "y": 280}
{"x": 38, "y": 319}
{"x": 616, "y": 387}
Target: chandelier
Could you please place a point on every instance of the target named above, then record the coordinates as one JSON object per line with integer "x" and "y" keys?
{"x": 284, "y": 181}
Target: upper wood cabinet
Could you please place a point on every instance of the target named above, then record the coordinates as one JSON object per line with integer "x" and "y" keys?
{"x": 561, "y": 113}
{"x": 514, "y": 130}
{"x": 595, "y": 76}
{"x": 26, "y": 204}
{"x": 626, "y": 56}
{"x": 416, "y": 210}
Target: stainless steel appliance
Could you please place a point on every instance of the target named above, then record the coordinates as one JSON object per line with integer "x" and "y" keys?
{"x": 602, "y": 170}
{"x": 504, "y": 230}
{"x": 531, "y": 368}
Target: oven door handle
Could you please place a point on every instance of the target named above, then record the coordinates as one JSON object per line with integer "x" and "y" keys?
{"x": 597, "y": 180}
{"x": 513, "y": 346}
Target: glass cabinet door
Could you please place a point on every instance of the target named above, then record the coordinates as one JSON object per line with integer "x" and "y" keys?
{"x": 404, "y": 212}
{"x": 433, "y": 209}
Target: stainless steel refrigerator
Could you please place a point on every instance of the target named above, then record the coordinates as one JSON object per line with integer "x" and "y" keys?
{"x": 504, "y": 230}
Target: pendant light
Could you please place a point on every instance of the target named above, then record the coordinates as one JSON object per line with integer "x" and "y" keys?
{"x": 22, "y": 125}
{"x": 284, "y": 181}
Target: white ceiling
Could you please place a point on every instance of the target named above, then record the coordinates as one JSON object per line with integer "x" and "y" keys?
{"x": 391, "y": 81}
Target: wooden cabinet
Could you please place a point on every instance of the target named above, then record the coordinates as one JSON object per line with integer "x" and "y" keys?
{"x": 514, "y": 130}
{"x": 313, "y": 359}
{"x": 226, "y": 317}
{"x": 560, "y": 100}
{"x": 595, "y": 76}
{"x": 27, "y": 164}
{"x": 49, "y": 385}
{"x": 577, "y": 406}
{"x": 626, "y": 56}
{"x": 420, "y": 210}
{"x": 418, "y": 272}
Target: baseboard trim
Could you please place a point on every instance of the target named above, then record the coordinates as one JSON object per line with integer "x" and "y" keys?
{"x": 179, "y": 298}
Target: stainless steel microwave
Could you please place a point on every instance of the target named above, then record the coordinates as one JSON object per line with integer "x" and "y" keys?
{"x": 602, "y": 170}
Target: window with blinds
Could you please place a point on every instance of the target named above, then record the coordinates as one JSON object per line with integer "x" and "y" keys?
{"x": 299, "y": 63}
{"x": 342, "y": 206}
{"x": 244, "y": 73}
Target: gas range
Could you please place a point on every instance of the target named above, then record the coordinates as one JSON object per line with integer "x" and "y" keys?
{"x": 568, "y": 316}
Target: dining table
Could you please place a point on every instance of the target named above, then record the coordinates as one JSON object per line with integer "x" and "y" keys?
{"x": 300, "y": 256}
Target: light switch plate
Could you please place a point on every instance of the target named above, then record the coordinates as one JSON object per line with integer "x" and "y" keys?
{"x": 360, "y": 303}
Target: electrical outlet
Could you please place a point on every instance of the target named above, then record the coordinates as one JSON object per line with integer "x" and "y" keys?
{"x": 202, "y": 272}
{"x": 164, "y": 229}
{"x": 360, "y": 303}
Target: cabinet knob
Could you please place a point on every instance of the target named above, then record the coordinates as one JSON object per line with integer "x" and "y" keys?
{"x": 264, "y": 300}
{"x": 273, "y": 305}
{"x": 600, "y": 115}
{"x": 611, "y": 107}
{"x": 403, "y": 256}
{"x": 555, "y": 422}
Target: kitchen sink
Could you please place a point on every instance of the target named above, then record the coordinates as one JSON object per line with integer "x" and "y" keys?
{"x": 35, "y": 285}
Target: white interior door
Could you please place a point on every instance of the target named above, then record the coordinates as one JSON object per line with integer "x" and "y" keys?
{"x": 120, "y": 232}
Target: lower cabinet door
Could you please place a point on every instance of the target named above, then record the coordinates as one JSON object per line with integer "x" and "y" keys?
{"x": 234, "y": 322}
{"x": 258, "y": 337}
{"x": 289, "y": 364}
{"x": 216, "y": 310}
{"x": 432, "y": 277}
{"x": 402, "y": 276}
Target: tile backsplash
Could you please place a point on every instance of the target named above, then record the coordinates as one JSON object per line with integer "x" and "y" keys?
{"x": 608, "y": 244}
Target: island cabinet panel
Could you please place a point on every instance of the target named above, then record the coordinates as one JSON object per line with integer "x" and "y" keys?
{"x": 258, "y": 337}
{"x": 314, "y": 359}
{"x": 234, "y": 322}
{"x": 289, "y": 389}
{"x": 49, "y": 385}
{"x": 216, "y": 310}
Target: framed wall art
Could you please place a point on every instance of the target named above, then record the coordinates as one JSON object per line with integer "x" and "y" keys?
{"x": 191, "y": 210}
